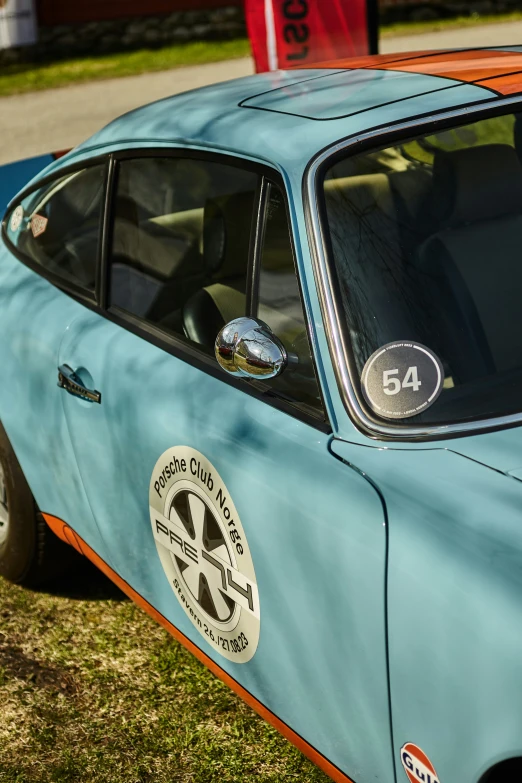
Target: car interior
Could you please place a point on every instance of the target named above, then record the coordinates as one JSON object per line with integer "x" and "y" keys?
{"x": 186, "y": 272}
{"x": 428, "y": 249}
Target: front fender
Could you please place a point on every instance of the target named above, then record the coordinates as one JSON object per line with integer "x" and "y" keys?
{"x": 454, "y": 605}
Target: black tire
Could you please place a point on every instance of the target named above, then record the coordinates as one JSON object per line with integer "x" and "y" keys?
{"x": 30, "y": 554}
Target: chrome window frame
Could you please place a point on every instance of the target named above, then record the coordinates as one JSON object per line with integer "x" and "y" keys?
{"x": 339, "y": 343}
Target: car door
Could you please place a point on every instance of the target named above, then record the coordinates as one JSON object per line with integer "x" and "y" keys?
{"x": 47, "y": 265}
{"x": 218, "y": 498}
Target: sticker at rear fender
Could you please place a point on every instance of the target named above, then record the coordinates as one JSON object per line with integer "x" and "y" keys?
{"x": 204, "y": 551}
{"x": 417, "y": 765}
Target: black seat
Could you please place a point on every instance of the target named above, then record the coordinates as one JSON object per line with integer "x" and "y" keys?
{"x": 226, "y": 244}
{"x": 472, "y": 266}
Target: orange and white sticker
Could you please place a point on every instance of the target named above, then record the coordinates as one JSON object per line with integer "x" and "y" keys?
{"x": 417, "y": 765}
{"x": 38, "y": 225}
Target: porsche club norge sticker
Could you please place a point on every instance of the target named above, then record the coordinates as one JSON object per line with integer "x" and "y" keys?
{"x": 417, "y": 765}
{"x": 204, "y": 552}
{"x": 16, "y": 218}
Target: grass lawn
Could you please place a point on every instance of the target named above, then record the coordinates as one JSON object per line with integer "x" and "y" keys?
{"x": 434, "y": 26}
{"x": 414, "y": 28}
{"x": 92, "y": 690}
{"x": 29, "y": 77}
{"x": 26, "y": 77}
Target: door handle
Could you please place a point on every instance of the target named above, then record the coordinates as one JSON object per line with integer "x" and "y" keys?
{"x": 72, "y": 383}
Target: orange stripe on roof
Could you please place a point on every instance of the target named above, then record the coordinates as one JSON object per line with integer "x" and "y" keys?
{"x": 508, "y": 84}
{"x": 452, "y": 56}
{"x": 471, "y": 66}
{"x": 415, "y": 60}
{"x": 365, "y": 61}
{"x": 67, "y": 534}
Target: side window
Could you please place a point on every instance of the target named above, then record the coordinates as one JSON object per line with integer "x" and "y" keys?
{"x": 180, "y": 244}
{"x": 58, "y": 226}
{"x": 281, "y": 307}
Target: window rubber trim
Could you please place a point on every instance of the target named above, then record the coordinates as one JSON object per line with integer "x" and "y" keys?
{"x": 98, "y": 302}
{"x": 337, "y": 336}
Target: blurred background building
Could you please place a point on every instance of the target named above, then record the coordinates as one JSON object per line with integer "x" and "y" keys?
{"x": 41, "y": 29}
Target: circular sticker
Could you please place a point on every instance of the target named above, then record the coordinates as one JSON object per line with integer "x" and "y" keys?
{"x": 402, "y": 379}
{"x": 204, "y": 552}
{"x": 16, "y": 218}
{"x": 417, "y": 765}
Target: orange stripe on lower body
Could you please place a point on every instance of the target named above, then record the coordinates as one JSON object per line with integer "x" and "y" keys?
{"x": 67, "y": 534}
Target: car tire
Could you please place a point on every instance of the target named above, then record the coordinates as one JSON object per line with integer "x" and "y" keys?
{"x": 30, "y": 554}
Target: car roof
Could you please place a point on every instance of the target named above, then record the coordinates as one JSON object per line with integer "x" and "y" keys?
{"x": 286, "y": 117}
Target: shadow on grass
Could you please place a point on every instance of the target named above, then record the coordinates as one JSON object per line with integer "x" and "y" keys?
{"x": 17, "y": 663}
{"x": 84, "y": 582}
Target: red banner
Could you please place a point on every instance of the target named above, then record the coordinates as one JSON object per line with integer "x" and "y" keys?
{"x": 286, "y": 33}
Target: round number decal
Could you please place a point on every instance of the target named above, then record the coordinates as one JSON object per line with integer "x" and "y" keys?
{"x": 204, "y": 552}
{"x": 402, "y": 379}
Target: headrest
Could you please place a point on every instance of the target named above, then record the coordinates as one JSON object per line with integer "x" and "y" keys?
{"x": 227, "y": 227}
{"x": 362, "y": 191}
{"x": 477, "y": 183}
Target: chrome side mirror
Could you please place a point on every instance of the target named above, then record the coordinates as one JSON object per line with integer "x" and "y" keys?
{"x": 248, "y": 348}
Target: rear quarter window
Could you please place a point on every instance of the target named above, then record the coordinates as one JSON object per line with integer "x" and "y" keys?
{"x": 57, "y": 227}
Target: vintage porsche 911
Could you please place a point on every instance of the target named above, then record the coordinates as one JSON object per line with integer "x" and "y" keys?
{"x": 261, "y": 347}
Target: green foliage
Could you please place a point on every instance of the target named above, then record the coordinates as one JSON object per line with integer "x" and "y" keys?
{"x": 92, "y": 690}
{"x": 25, "y": 77}
{"x": 495, "y": 130}
{"x": 438, "y": 25}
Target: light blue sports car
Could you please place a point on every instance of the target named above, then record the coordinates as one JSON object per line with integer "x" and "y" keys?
{"x": 261, "y": 347}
